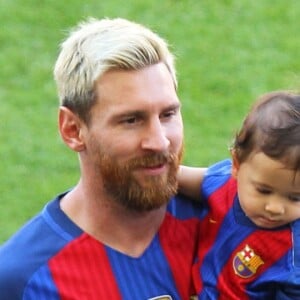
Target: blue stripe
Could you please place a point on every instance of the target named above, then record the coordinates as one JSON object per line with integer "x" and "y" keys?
{"x": 183, "y": 208}
{"x": 216, "y": 176}
{"x": 41, "y": 286}
{"x": 222, "y": 250}
{"x": 296, "y": 239}
{"x": 144, "y": 277}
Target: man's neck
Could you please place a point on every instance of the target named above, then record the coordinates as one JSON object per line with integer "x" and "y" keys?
{"x": 126, "y": 231}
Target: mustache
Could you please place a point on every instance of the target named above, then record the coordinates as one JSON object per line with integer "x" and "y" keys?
{"x": 153, "y": 159}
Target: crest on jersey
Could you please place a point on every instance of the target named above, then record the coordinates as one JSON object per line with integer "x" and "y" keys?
{"x": 246, "y": 262}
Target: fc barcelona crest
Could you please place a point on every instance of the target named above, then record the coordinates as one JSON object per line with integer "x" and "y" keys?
{"x": 246, "y": 262}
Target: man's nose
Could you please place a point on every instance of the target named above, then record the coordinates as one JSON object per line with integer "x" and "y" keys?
{"x": 155, "y": 138}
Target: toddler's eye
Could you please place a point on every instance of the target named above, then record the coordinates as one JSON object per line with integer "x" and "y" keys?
{"x": 295, "y": 198}
{"x": 264, "y": 191}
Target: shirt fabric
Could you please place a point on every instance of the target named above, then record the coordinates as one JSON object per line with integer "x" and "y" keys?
{"x": 236, "y": 259}
{"x": 51, "y": 258}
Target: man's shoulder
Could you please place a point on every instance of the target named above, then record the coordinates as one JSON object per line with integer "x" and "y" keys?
{"x": 18, "y": 244}
{"x": 18, "y": 258}
{"x": 29, "y": 249}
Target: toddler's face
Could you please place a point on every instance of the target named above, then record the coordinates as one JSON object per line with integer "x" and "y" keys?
{"x": 269, "y": 193}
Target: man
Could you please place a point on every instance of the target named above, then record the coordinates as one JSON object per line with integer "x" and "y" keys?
{"x": 119, "y": 233}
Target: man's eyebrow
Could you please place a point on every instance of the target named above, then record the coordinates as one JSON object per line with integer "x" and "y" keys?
{"x": 174, "y": 106}
{"x": 141, "y": 112}
{"x": 134, "y": 112}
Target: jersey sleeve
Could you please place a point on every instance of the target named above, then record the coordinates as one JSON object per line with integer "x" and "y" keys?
{"x": 291, "y": 288}
{"x": 215, "y": 176}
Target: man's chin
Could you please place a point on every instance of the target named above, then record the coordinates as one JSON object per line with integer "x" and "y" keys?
{"x": 152, "y": 182}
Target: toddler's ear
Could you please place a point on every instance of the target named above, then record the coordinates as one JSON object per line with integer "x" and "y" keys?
{"x": 235, "y": 164}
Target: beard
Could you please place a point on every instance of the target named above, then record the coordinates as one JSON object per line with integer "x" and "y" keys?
{"x": 152, "y": 192}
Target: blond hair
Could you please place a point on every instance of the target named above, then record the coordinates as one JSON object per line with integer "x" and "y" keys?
{"x": 97, "y": 46}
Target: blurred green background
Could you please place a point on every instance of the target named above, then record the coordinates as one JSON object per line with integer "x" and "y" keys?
{"x": 228, "y": 53}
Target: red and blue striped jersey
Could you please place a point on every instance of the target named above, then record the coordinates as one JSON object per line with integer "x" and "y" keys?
{"x": 236, "y": 259}
{"x": 51, "y": 258}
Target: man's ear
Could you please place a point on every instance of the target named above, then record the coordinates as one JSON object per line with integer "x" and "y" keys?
{"x": 70, "y": 128}
{"x": 235, "y": 164}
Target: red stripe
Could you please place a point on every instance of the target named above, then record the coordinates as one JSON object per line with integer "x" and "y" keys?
{"x": 221, "y": 200}
{"x": 269, "y": 245}
{"x": 82, "y": 271}
{"x": 179, "y": 241}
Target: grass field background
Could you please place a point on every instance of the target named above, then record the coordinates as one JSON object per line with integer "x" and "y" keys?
{"x": 228, "y": 53}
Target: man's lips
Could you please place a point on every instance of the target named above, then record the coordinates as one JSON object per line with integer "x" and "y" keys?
{"x": 152, "y": 169}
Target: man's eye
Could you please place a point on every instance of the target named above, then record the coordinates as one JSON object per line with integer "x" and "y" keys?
{"x": 129, "y": 120}
{"x": 168, "y": 114}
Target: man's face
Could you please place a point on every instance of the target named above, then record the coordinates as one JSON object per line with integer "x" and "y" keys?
{"x": 135, "y": 136}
